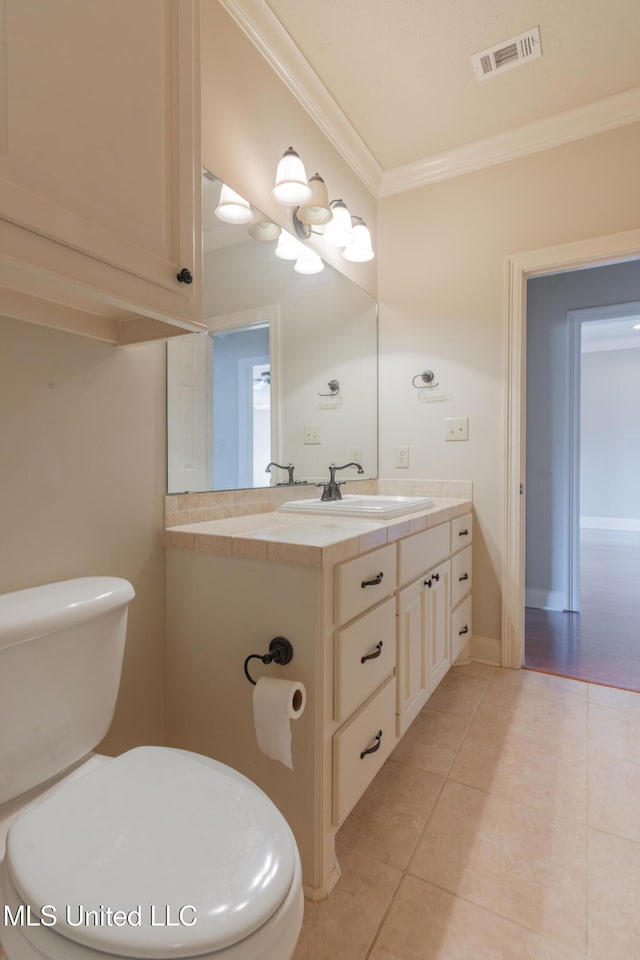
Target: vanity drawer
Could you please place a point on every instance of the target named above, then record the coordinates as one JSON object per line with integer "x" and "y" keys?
{"x": 360, "y": 748}
{"x": 460, "y": 575}
{"x": 461, "y": 532}
{"x": 421, "y": 551}
{"x": 372, "y": 636}
{"x": 364, "y": 581}
{"x": 460, "y": 628}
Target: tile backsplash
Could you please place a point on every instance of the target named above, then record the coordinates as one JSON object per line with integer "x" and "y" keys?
{"x": 184, "y": 508}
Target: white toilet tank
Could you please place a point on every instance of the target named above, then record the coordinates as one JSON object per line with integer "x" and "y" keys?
{"x": 61, "y": 649}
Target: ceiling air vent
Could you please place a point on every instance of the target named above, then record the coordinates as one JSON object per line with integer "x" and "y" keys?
{"x": 508, "y": 54}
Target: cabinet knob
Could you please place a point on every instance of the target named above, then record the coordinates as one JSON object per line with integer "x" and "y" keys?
{"x": 428, "y": 582}
{"x": 436, "y": 577}
{"x": 375, "y": 747}
{"x": 373, "y": 656}
{"x": 185, "y": 276}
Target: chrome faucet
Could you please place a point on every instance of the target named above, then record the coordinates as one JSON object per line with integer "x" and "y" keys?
{"x": 331, "y": 490}
{"x": 289, "y": 467}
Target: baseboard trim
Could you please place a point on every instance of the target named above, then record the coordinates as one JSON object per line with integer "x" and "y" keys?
{"x": 545, "y": 599}
{"x": 609, "y": 523}
{"x": 485, "y": 650}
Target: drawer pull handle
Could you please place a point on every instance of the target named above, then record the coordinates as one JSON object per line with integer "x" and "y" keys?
{"x": 463, "y": 533}
{"x": 428, "y": 583}
{"x": 372, "y": 583}
{"x": 465, "y": 576}
{"x": 375, "y": 747}
{"x": 373, "y": 656}
{"x": 465, "y": 629}
{"x": 436, "y": 577}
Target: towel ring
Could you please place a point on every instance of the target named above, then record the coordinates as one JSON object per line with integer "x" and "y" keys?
{"x": 427, "y": 380}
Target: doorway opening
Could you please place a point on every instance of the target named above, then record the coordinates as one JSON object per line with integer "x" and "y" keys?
{"x": 614, "y": 248}
{"x": 582, "y": 616}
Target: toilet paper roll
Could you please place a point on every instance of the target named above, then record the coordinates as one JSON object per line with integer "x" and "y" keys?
{"x": 275, "y": 704}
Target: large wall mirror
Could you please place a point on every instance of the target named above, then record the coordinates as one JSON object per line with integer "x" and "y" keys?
{"x": 287, "y": 373}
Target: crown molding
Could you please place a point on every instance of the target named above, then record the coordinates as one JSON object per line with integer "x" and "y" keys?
{"x": 256, "y": 19}
{"x": 593, "y": 118}
{"x": 265, "y": 31}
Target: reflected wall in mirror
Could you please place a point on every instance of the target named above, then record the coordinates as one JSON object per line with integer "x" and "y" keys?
{"x": 260, "y": 386}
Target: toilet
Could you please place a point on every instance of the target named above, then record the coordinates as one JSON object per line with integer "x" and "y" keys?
{"x": 158, "y": 853}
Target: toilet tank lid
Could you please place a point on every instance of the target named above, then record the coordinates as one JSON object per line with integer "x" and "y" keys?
{"x": 36, "y": 611}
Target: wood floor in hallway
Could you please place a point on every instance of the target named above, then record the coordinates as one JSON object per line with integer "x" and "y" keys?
{"x": 601, "y": 643}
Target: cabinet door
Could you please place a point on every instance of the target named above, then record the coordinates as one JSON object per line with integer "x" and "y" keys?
{"x": 412, "y": 662}
{"x": 437, "y": 622}
{"x": 99, "y": 149}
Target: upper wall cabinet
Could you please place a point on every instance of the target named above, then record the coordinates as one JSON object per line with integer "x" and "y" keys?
{"x": 100, "y": 166}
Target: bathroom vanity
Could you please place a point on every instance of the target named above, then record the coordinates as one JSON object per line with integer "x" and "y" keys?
{"x": 376, "y": 612}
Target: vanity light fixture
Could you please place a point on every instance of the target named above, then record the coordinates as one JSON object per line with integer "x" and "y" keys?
{"x": 291, "y": 187}
{"x": 309, "y": 262}
{"x": 313, "y": 214}
{"x": 338, "y": 231}
{"x": 636, "y": 326}
{"x": 288, "y": 247}
{"x": 316, "y": 211}
{"x": 232, "y": 208}
{"x": 360, "y": 249}
{"x": 264, "y": 230}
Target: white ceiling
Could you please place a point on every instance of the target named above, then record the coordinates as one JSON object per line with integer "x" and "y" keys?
{"x": 619, "y": 334}
{"x": 391, "y": 81}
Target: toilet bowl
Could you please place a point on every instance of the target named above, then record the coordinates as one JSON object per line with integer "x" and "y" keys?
{"x": 157, "y": 853}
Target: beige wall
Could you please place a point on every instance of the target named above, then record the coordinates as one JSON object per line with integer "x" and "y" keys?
{"x": 249, "y": 120}
{"x": 82, "y": 479}
{"x": 441, "y": 287}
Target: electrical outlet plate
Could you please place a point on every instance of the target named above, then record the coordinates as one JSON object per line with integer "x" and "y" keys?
{"x": 456, "y": 428}
{"x": 402, "y": 457}
{"x": 312, "y": 433}
{"x": 355, "y": 453}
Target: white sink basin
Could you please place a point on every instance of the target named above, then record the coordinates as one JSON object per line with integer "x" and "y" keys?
{"x": 354, "y": 505}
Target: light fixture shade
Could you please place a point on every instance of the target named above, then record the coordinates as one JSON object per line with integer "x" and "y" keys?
{"x": 291, "y": 187}
{"x": 317, "y": 209}
{"x": 360, "y": 249}
{"x": 309, "y": 262}
{"x": 338, "y": 231}
{"x": 636, "y": 326}
{"x": 264, "y": 230}
{"x": 289, "y": 248}
{"x": 232, "y": 208}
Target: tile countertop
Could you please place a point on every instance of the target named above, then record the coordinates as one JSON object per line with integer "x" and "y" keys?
{"x": 311, "y": 541}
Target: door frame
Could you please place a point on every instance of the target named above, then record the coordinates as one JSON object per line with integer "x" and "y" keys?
{"x": 613, "y": 248}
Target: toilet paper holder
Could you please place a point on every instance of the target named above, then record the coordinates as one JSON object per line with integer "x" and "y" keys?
{"x": 280, "y": 651}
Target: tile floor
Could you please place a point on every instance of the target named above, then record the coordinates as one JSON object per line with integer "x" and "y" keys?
{"x": 505, "y": 826}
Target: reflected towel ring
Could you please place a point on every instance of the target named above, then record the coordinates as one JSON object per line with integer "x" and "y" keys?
{"x": 427, "y": 380}
{"x": 334, "y": 387}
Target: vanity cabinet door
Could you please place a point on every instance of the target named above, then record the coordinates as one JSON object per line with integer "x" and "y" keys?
{"x": 437, "y": 622}
{"x": 412, "y": 658}
{"x": 99, "y": 156}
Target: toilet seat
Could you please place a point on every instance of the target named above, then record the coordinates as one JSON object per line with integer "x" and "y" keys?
{"x": 197, "y": 858}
